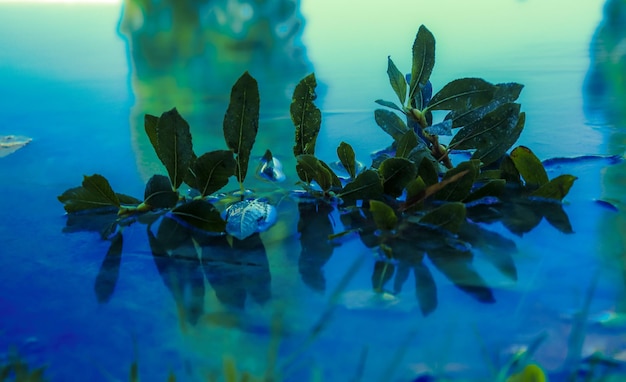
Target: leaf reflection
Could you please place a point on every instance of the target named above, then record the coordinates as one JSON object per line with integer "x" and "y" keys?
{"x": 314, "y": 227}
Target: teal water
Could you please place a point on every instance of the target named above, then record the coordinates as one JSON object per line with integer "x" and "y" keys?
{"x": 78, "y": 79}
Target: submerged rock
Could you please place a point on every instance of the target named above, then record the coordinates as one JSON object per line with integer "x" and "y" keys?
{"x": 11, "y": 143}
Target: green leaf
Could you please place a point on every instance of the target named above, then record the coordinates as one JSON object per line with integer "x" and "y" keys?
{"x": 126, "y": 199}
{"x": 306, "y": 117}
{"x": 213, "y": 169}
{"x": 504, "y": 93}
{"x": 366, "y": 186}
{"x": 423, "y": 60}
{"x": 427, "y": 170}
{"x": 241, "y": 121}
{"x": 462, "y": 94}
{"x": 384, "y": 216}
{"x": 397, "y": 81}
{"x": 389, "y": 104}
{"x": 449, "y": 216}
{"x": 159, "y": 194}
{"x": 174, "y": 147}
{"x": 314, "y": 169}
{"x": 492, "y": 135}
{"x": 529, "y": 167}
{"x": 555, "y": 189}
{"x": 390, "y": 123}
{"x": 460, "y": 189}
{"x": 396, "y": 174}
{"x": 493, "y": 187}
{"x": 509, "y": 171}
{"x": 96, "y": 192}
{"x": 414, "y": 189}
{"x": 348, "y": 159}
{"x": 200, "y": 214}
{"x": 150, "y": 125}
{"x": 407, "y": 142}
{"x": 441, "y": 128}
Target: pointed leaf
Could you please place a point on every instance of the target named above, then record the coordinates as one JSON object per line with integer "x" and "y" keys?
{"x": 555, "y": 189}
{"x": 384, "y": 216}
{"x": 428, "y": 170}
{"x": 127, "y": 200}
{"x": 407, "y": 142}
{"x": 366, "y": 186}
{"x": 463, "y": 94}
{"x": 213, "y": 169}
{"x": 397, "y": 81}
{"x": 110, "y": 269}
{"x": 414, "y": 189}
{"x": 520, "y": 217}
{"x": 347, "y": 158}
{"x": 159, "y": 194}
{"x": 423, "y": 60}
{"x": 312, "y": 168}
{"x": 557, "y": 217}
{"x": 529, "y": 167}
{"x": 449, "y": 216}
{"x": 174, "y": 145}
{"x": 441, "y": 128}
{"x": 460, "y": 189}
{"x": 396, "y": 174}
{"x": 150, "y": 125}
{"x": 389, "y": 104}
{"x": 200, "y": 214}
{"x": 94, "y": 193}
{"x": 390, "y": 123}
{"x": 509, "y": 171}
{"x": 241, "y": 121}
{"x": 305, "y": 116}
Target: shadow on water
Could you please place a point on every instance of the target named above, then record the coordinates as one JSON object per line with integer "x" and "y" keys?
{"x": 605, "y": 97}
{"x": 187, "y": 54}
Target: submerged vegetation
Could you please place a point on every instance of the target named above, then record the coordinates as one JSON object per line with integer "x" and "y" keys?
{"x": 413, "y": 202}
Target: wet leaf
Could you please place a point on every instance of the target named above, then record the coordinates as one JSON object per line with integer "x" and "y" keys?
{"x": 508, "y": 171}
{"x": 449, "y": 216}
{"x": 406, "y": 144}
{"x": 200, "y": 214}
{"x": 150, "y": 126}
{"x": 396, "y": 173}
{"x": 493, "y": 187}
{"x": 555, "y": 189}
{"x": 159, "y": 194}
{"x": 397, "y": 81}
{"x": 492, "y": 135}
{"x": 425, "y": 288}
{"x": 460, "y": 189}
{"x": 389, "y": 104}
{"x": 347, "y": 158}
{"x": 107, "y": 277}
{"x": 366, "y": 186}
{"x": 423, "y": 60}
{"x": 241, "y": 121}
{"x": 174, "y": 147}
{"x": 306, "y": 117}
{"x": 441, "y": 128}
{"x": 462, "y": 94}
{"x": 314, "y": 169}
{"x": 247, "y": 217}
{"x": 383, "y": 272}
{"x": 384, "y": 216}
{"x": 96, "y": 192}
{"x": 529, "y": 167}
{"x": 390, "y": 123}
{"x": 212, "y": 171}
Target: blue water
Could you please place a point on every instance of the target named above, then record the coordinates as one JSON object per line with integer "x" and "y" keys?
{"x": 76, "y": 80}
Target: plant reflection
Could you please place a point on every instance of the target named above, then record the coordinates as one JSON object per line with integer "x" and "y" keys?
{"x": 188, "y": 54}
{"x": 314, "y": 227}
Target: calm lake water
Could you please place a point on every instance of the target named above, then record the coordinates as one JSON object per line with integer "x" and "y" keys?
{"x": 78, "y": 79}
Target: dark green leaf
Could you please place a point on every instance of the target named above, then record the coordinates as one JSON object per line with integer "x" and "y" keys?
{"x": 406, "y": 144}
{"x": 201, "y": 214}
{"x": 306, "y": 117}
{"x": 150, "y": 125}
{"x": 556, "y": 189}
{"x": 427, "y": 170}
{"x": 347, "y": 158}
{"x": 126, "y": 199}
{"x": 241, "y": 121}
{"x": 107, "y": 277}
{"x": 335, "y": 182}
{"x": 492, "y": 135}
{"x": 213, "y": 169}
{"x": 174, "y": 145}
{"x": 414, "y": 189}
{"x": 383, "y": 272}
{"x": 463, "y": 94}
{"x": 449, "y": 216}
{"x": 390, "y": 123}
{"x": 397, "y": 81}
{"x": 396, "y": 174}
{"x": 423, "y": 60}
{"x": 425, "y": 288}
{"x": 366, "y": 186}
{"x": 493, "y": 187}
{"x": 431, "y": 190}
{"x": 384, "y": 216}
{"x": 460, "y": 189}
{"x": 529, "y": 167}
{"x": 441, "y": 128}
{"x": 94, "y": 193}
{"x": 313, "y": 169}
{"x": 190, "y": 176}
{"x": 389, "y": 104}
{"x": 159, "y": 194}
{"x": 509, "y": 171}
